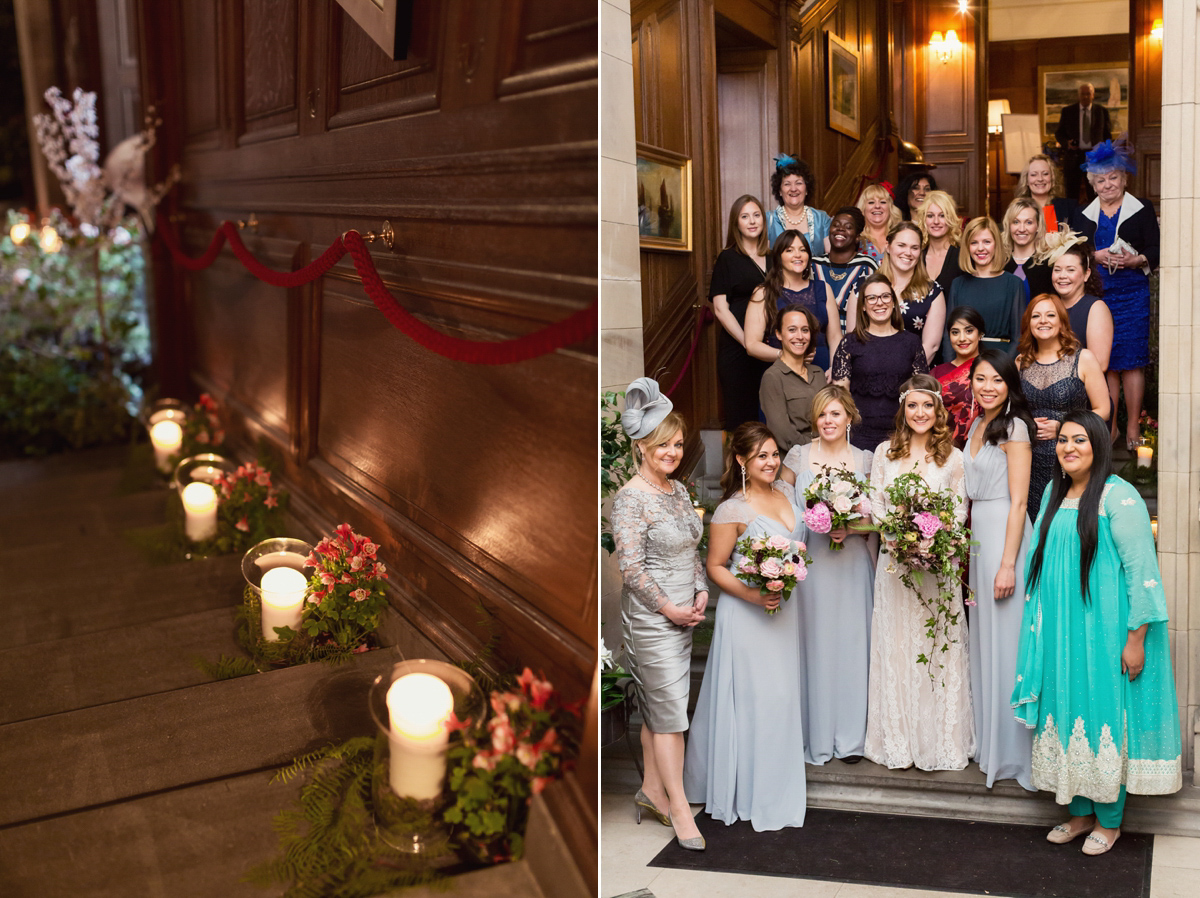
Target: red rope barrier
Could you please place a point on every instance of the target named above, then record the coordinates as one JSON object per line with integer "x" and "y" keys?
{"x": 705, "y": 316}
{"x": 575, "y": 328}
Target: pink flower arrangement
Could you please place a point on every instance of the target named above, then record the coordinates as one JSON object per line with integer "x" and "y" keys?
{"x": 249, "y": 504}
{"x": 928, "y": 523}
{"x": 495, "y": 770}
{"x": 773, "y": 564}
{"x": 836, "y": 499}
{"x": 345, "y": 593}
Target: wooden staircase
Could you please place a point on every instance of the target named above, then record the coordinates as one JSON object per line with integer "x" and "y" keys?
{"x": 128, "y": 771}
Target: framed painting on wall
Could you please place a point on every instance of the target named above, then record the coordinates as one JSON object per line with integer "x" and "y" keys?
{"x": 664, "y": 185}
{"x": 1058, "y": 86}
{"x": 841, "y": 86}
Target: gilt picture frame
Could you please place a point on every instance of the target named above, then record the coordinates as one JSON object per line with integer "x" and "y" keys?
{"x": 664, "y": 190}
{"x": 842, "y": 86}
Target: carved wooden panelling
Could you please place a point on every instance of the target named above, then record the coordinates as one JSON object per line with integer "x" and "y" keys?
{"x": 269, "y": 41}
{"x": 199, "y": 21}
{"x": 497, "y": 463}
{"x": 552, "y": 42}
{"x": 367, "y": 86}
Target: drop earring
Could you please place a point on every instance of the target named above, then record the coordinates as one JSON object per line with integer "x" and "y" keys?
{"x": 743, "y": 481}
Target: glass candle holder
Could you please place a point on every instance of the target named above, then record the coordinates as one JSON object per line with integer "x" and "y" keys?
{"x": 195, "y": 480}
{"x": 164, "y": 422}
{"x": 411, "y": 706}
{"x": 275, "y": 569}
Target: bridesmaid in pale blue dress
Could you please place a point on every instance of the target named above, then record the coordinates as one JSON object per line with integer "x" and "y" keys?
{"x": 997, "y": 460}
{"x": 837, "y": 598}
{"x": 744, "y": 755}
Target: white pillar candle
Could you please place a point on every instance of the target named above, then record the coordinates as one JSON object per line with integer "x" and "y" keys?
{"x": 280, "y": 559}
{"x": 166, "y": 437}
{"x": 199, "y": 511}
{"x": 282, "y": 600}
{"x": 1144, "y": 455}
{"x": 419, "y": 705}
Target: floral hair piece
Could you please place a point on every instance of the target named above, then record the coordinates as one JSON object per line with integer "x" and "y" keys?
{"x": 1110, "y": 156}
{"x": 936, "y": 394}
{"x": 1058, "y": 242}
{"x": 784, "y": 161}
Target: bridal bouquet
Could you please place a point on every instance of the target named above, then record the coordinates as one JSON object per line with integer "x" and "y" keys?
{"x": 835, "y": 500}
{"x": 772, "y": 563}
{"x": 920, "y": 533}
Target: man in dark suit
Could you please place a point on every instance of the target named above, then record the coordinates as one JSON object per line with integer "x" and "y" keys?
{"x": 1081, "y": 127}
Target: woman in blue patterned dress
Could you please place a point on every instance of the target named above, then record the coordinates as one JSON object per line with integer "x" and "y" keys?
{"x": 795, "y": 188}
{"x": 1124, "y": 230}
{"x": 1094, "y": 678}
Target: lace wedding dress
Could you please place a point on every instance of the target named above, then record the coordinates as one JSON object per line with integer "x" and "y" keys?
{"x": 911, "y": 719}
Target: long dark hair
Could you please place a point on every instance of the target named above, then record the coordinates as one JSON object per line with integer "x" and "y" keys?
{"x": 1016, "y": 406}
{"x": 905, "y": 187}
{"x": 1089, "y": 503}
{"x": 746, "y": 441}
{"x": 773, "y": 285}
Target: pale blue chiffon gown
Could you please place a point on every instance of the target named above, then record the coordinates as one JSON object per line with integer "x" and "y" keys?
{"x": 835, "y": 630}
{"x": 1004, "y": 747}
{"x": 745, "y": 758}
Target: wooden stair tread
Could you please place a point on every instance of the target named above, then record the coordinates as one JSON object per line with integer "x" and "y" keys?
{"x": 60, "y": 604}
{"x": 126, "y": 662}
{"x": 79, "y": 759}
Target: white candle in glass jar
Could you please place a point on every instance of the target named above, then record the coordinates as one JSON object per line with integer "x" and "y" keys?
{"x": 166, "y": 437}
{"x": 199, "y": 511}
{"x": 1144, "y": 456}
{"x": 419, "y": 705}
{"x": 282, "y": 591}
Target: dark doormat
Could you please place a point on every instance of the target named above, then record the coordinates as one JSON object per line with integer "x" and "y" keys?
{"x": 922, "y": 852}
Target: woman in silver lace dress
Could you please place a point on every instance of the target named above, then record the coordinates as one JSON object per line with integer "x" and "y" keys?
{"x": 663, "y": 596}
{"x": 1057, "y": 376}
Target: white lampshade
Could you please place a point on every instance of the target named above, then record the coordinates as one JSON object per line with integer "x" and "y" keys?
{"x": 997, "y": 108}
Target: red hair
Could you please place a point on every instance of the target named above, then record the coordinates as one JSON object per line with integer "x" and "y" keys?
{"x": 1027, "y": 347}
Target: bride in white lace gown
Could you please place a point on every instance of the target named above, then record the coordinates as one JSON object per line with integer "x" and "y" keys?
{"x": 912, "y": 720}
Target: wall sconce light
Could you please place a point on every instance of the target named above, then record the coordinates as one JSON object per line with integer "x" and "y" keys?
{"x": 997, "y": 108}
{"x": 962, "y": 6}
{"x": 1156, "y": 30}
{"x": 944, "y": 47}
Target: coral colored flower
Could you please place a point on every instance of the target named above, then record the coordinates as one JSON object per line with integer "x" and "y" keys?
{"x": 789, "y": 568}
{"x": 503, "y": 738}
{"x": 453, "y": 723}
{"x": 263, "y": 478}
{"x": 484, "y": 761}
{"x": 527, "y": 755}
{"x": 539, "y": 783}
{"x": 243, "y": 525}
{"x": 774, "y": 585}
{"x": 539, "y": 691}
{"x": 270, "y": 502}
{"x": 369, "y": 549}
{"x": 360, "y": 594}
{"x": 356, "y": 563}
{"x": 202, "y": 437}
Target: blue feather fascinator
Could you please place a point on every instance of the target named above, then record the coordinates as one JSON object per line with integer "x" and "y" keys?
{"x": 1109, "y": 156}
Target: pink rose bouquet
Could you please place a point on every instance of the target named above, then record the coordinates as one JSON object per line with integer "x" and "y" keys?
{"x": 922, "y": 533}
{"x": 773, "y": 564}
{"x": 836, "y": 500}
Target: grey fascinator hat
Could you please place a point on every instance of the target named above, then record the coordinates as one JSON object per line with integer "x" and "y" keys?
{"x": 645, "y": 408}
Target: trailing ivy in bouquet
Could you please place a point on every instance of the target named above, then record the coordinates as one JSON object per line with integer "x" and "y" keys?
{"x": 345, "y": 595}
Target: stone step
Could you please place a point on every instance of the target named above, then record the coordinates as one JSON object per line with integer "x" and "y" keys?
{"x": 957, "y": 794}
{"x": 80, "y": 759}
{"x": 126, "y": 662}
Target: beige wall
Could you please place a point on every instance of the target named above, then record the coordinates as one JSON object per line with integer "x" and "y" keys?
{"x": 620, "y": 264}
{"x": 1178, "y": 365}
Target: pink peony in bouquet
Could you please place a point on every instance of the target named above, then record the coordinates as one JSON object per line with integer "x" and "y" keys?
{"x": 772, "y": 563}
{"x": 836, "y": 500}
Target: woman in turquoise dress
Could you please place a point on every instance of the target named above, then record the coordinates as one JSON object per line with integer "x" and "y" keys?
{"x": 744, "y": 756}
{"x": 837, "y": 597}
{"x": 1094, "y": 677}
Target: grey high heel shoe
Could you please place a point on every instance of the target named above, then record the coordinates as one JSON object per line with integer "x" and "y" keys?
{"x": 642, "y": 802}
{"x": 696, "y": 844}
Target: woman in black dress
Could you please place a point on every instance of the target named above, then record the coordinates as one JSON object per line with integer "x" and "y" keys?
{"x": 938, "y": 218}
{"x": 740, "y": 268}
{"x": 875, "y": 359}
